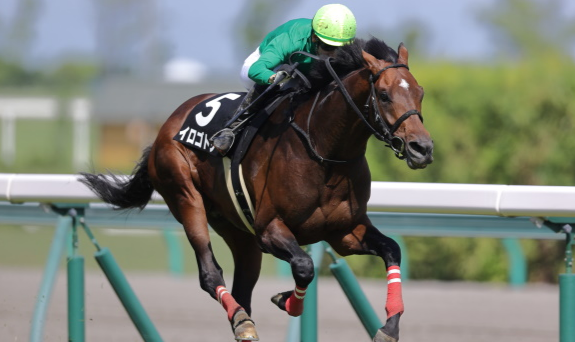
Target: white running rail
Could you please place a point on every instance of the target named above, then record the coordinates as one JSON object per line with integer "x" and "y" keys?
{"x": 442, "y": 198}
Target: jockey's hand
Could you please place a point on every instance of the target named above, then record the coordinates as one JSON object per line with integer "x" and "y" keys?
{"x": 279, "y": 78}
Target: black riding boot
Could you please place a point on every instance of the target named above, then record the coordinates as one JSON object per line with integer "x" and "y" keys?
{"x": 224, "y": 139}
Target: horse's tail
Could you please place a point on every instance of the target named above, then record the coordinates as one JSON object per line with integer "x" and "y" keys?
{"x": 123, "y": 192}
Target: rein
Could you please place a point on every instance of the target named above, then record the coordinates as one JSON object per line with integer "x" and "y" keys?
{"x": 396, "y": 143}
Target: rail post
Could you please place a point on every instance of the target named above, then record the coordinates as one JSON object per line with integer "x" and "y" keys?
{"x": 567, "y": 292}
{"x": 76, "y": 287}
{"x": 309, "y": 316}
{"x": 49, "y": 278}
{"x": 123, "y": 289}
{"x": 566, "y": 281}
{"x": 355, "y": 295}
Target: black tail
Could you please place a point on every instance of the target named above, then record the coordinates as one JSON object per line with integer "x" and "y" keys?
{"x": 123, "y": 192}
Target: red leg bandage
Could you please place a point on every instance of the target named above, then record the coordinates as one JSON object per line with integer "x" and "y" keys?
{"x": 294, "y": 304}
{"x": 227, "y": 301}
{"x": 394, "y": 303}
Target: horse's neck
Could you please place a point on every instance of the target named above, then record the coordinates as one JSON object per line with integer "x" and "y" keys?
{"x": 336, "y": 129}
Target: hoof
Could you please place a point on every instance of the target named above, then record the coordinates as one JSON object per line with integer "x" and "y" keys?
{"x": 288, "y": 302}
{"x": 244, "y": 328}
{"x": 390, "y": 332}
{"x": 280, "y": 299}
{"x": 383, "y": 337}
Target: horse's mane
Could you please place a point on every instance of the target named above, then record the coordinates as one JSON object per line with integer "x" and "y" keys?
{"x": 349, "y": 58}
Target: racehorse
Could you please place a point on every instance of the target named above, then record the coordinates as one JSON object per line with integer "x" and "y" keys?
{"x": 305, "y": 172}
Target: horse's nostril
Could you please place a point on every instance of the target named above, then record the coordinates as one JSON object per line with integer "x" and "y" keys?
{"x": 421, "y": 148}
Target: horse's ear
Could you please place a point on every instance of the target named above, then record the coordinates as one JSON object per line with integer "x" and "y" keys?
{"x": 370, "y": 61}
{"x": 403, "y": 54}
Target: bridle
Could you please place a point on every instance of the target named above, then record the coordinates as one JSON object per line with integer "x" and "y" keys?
{"x": 397, "y": 144}
{"x": 385, "y": 132}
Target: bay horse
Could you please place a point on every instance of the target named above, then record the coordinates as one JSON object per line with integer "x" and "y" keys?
{"x": 306, "y": 184}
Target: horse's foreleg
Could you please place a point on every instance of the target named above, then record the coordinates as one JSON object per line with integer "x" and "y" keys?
{"x": 278, "y": 240}
{"x": 366, "y": 239}
{"x": 247, "y": 264}
{"x": 211, "y": 279}
{"x": 247, "y": 261}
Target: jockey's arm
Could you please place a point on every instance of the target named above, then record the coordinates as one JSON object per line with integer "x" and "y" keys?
{"x": 273, "y": 55}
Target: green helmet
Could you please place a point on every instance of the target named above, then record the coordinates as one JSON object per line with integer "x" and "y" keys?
{"x": 334, "y": 24}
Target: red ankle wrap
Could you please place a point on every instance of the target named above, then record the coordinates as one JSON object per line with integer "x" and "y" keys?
{"x": 227, "y": 301}
{"x": 294, "y": 304}
{"x": 394, "y": 303}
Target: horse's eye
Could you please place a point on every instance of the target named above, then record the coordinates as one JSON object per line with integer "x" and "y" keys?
{"x": 384, "y": 96}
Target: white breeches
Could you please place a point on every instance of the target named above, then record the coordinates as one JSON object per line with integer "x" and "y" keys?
{"x": 246, "y": 81}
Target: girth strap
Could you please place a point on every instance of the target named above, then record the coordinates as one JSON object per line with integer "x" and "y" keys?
{"x": 246, "y": 138}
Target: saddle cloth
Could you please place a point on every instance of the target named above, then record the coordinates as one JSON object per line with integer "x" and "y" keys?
{"x": 207, "y": 118}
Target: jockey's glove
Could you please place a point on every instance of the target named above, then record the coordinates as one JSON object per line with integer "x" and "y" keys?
{"x": 279, "y": 78}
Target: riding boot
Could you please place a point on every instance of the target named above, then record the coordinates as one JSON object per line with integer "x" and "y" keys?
{"x": 224, "y": 139}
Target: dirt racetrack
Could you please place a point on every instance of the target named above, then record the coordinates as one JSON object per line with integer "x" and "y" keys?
{"x": 181, "y": 311}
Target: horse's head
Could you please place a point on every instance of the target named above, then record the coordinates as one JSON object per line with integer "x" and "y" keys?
{"x": 396, "y": 100}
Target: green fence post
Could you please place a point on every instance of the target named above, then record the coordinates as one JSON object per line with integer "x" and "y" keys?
{"x": 122, "y": 288}
{"x": 294, "y": 330}
{"x": 175, "y": 255}
{"x": 76, "y": 306}
{"x": 76, "y": 315}
{"x": 309, "y": 316}
{"x": 567, "y": 291}
{"x": 49, "y": 278}
{"x": 283, "y": 269}
{"x": 567, "y": 307}
{"x": 355, "y": 295}
{"x": 127, "y": 296}
{"x": 517, "y": 263}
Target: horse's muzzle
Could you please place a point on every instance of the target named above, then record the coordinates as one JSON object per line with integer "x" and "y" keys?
{"x": 419, "y": 153}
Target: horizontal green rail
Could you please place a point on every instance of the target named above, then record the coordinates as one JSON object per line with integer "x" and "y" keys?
{"x": 157, "y": 216}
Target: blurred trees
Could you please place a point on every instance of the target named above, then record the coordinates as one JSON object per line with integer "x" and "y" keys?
{"x": 129, "y": 45}
{"x": 16, "y": 40}
{"x": 530, "y": 29}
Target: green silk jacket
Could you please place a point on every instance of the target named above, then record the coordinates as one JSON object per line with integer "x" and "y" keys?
{"x": 278, "y": 45}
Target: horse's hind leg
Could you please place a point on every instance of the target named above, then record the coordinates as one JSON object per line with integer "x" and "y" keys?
{"x": 278, "y": 240}
{"x": 186, "y": 204}
{"x": 366, "y": 239}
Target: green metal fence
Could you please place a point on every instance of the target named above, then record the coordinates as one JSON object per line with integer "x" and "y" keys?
{"x": 69, "y": 217}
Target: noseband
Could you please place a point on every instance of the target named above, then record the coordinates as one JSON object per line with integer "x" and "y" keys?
{"x": 385, "y": 133}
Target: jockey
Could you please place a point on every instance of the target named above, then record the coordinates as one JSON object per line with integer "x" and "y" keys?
{"x": 332, "y": 26}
